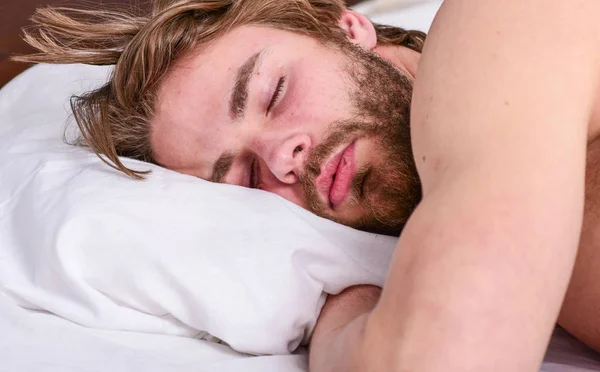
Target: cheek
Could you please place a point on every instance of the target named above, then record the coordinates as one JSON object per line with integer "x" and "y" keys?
{"x": 316, "y": 106}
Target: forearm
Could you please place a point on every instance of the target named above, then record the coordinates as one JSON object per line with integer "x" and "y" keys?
{"x": 466, "y": 288}
{"x": 473, "y": 286}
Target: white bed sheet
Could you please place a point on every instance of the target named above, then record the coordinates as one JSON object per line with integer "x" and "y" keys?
{"x": 36, "y": 341}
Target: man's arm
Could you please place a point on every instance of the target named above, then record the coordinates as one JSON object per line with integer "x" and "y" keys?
{"x": 501, "y": 107}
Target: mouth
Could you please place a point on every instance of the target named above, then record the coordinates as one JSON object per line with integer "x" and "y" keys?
{"x": 335, "y": 179}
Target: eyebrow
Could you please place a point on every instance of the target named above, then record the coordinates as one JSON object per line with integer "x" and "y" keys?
{"x": 239, "y": 95}
{"x": 222, "y": 166}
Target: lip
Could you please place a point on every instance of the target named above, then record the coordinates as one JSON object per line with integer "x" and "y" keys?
{"x": 336, "y": 176}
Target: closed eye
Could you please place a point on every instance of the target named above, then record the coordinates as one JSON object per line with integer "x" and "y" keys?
{"x": 276, "y": 94}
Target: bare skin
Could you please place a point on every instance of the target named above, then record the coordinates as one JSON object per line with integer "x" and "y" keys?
{"x": 500, "y": 147}
{"x": 483, "y": 265}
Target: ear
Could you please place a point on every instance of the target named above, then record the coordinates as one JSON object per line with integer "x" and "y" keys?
{"x": 359, "y": 29}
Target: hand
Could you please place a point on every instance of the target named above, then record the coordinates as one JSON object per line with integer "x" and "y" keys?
{"x": 346, "y": 313}
{"x": 341, "y": 309}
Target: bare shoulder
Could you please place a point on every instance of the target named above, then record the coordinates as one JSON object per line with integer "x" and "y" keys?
{"x": 524, "y": 65}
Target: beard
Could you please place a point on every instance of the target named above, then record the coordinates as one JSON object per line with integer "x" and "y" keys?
{"x": 387, "y": 189}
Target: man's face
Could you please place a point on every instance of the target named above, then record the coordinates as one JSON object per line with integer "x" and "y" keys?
{"x": 325, "y": 127}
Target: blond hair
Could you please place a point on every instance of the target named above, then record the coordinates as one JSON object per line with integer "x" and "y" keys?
{"x": 114, "y": 120}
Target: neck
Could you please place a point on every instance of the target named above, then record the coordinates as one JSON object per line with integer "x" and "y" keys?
{"x": 401, "y": 57}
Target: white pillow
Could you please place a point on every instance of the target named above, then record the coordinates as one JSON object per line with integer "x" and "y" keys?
{"x": 172, "y": 254}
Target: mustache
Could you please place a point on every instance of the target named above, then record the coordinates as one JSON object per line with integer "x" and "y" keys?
{"x": 339, "y": 133}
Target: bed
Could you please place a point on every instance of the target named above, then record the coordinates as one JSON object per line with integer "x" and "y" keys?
{"x": 96, "y": 272}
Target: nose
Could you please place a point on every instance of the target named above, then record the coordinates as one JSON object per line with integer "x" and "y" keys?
{"x": 286, "y": 157}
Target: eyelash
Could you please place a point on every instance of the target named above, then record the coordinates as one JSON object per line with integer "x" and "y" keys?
{"x": 277, "y": 93}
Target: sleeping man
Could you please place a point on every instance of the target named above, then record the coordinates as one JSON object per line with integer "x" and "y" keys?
{"x": 311, "y": 101}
